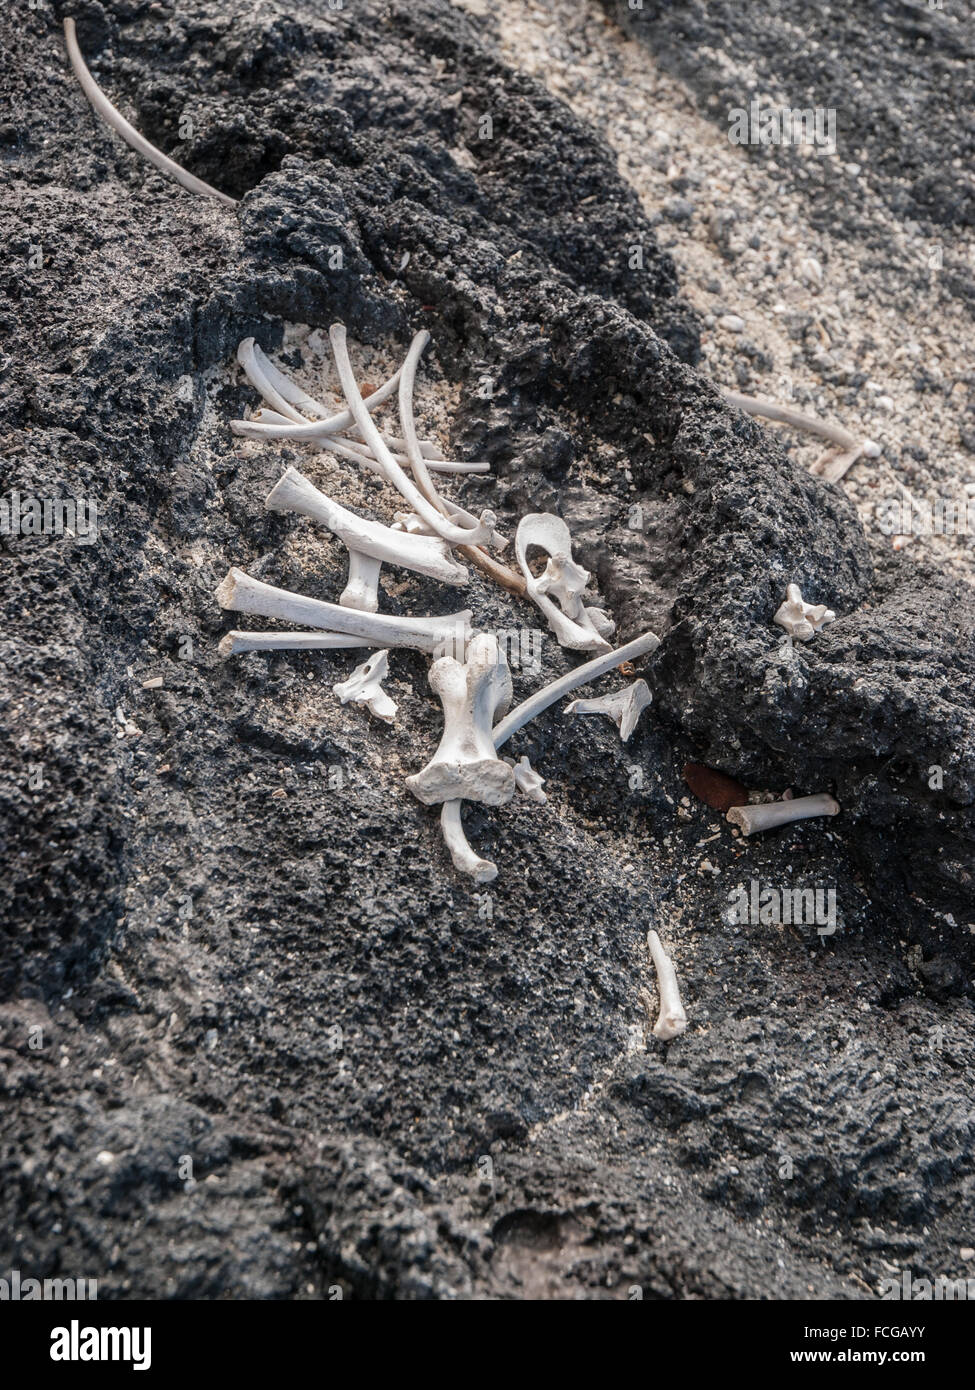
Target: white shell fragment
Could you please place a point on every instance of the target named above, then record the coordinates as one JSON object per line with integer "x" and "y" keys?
{"x": 370, "y": 544}
{"x": 624, "y": 706}
{"x": 749, "y": 819}
{"x": 577, "y": 627}
{"x": 466, "y": 765}
{"x": 364, "y": 686}
{"x": 802, "y": 620}
{"x": 527, "y": 779}
{"x": 242, "y": 594}
{"x": 671, "y": 1018}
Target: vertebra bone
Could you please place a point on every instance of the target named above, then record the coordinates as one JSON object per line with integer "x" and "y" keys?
{"x": 802, "y": 620}
{"x": 364, "y": 686}
{"x": 624, "y": 706}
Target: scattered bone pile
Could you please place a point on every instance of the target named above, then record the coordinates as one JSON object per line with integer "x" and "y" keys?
{"x": 470, "y": 672}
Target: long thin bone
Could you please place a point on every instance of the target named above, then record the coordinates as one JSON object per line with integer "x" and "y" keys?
{"x": 457, "y": 535}
{"x": 749, "y": 819}
{"x": 129, "y": 134}
{"x": 582, "y": 675}
{"x": 288, "y": 399}
{"x": 508, "y": 578}
{"x": 269, "y": 424}
{"x": 243, "y": 594}
{"x": 236, "y": 642}
{"x": 671, "y": 1020}
{"x": 427, "y": 555}
{"x": 450, "y": 816}
{"x": 836, "y": 434}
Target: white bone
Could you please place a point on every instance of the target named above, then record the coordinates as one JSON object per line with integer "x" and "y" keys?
{"x": 749, "y": 819}
{"x": 836, "y": 434}
{"x": 277, "y": 424}
{"x": 577, "y": 627}
{"x": 624, "y": 706}
{"x": 671, "y": 1019}
{"x": 582, "y": 675}
{"x": 466, "y": 765}
{"x": 802, "y": 620}
{"x": 527, "y": 779}
{"x": 369, "y": 543}
{"x": 456, "y": 535}
{"x": 450, "y": 817}
{"x": 128, "y": 132}
{"x": 365, "y": 687}
{"x": 463, "y": 857}
{"x": 236, "y": 642}
{"x": 243, "y": 594}
{"x": 270, "y": 424}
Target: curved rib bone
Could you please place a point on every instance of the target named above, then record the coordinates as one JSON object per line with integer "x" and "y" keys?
{"x": 836, "y": 434}
{"x": 364, "y": 540}
{"x": 466, "y": 765}
{"x": 267, "y": 424}
{"x": 129, "y": 134}
{"x": 624, "y": 706}
{"x": 365, "y": 687}
{"x": 800, "y": 619}
{"x": 749, "y": 819}
{"x": 577, "y": 627}
{"x": 243, "y": 594}
{"x": 456, "y": 535}
{"x": 501, "y": 574}
{"x": 582, "y": 675}
{"x": 671, "y": 1019}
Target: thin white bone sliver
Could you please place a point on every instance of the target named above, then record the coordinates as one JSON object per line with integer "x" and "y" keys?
{"x": 461, "y": 854}
{"x": 236, "y": 642}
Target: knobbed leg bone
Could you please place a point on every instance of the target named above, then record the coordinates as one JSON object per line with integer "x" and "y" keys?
{"x": 466, "y": 764}
{"x": 369, "y": 543}
{"x": 451, "y": 826}
{"x": 750, "y": 819}
{"x": 243, "y": 594}
{"x": 671, "y": 1018}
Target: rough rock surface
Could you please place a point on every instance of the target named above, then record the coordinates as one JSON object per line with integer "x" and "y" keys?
{"x": 884, "y": 69}
{"x": 258, "y": 1038}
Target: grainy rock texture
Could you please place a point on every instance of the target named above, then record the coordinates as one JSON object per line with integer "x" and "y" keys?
{"x": 258, "y": 1038}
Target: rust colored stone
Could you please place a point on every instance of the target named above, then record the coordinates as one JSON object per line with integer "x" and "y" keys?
{"x": 715, "y": 789}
